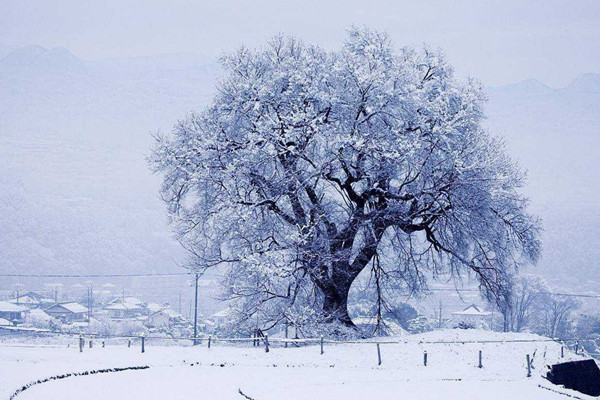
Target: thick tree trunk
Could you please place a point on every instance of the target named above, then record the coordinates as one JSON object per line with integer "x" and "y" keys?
{"x": 335, "y": 283}
{"x": 335, "y": 298}
{"x": 335, "y": 307}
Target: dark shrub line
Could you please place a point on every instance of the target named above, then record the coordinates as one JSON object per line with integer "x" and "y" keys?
{"x": 67, "y": 375}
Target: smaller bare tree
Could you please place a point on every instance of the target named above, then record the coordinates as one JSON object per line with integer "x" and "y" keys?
{"x": 557, "y": 311}
{"x": 528, "y": 298}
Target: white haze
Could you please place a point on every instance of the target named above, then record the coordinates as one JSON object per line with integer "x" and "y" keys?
{"x": 76, "y": 194}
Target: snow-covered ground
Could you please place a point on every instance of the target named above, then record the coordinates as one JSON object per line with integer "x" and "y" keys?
{"x": 344, "y": 371}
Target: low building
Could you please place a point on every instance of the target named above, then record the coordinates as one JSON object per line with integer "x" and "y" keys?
{"x": 153, "y": 307}
{"x": 13, "y": 313}
{"x": 122, "y": 309}
{"x": 165, "y": 317}
{"x": 67, "y": 312}
{"x": 472, "y": 317}
{"x": 129, "y": 300}
{"x": 32, "y": 300}
{"x": 222, "y": 317}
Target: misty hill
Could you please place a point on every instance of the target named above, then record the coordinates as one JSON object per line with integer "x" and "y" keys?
{"x": 555, "y": 136}
{"x": 76, "y": 193}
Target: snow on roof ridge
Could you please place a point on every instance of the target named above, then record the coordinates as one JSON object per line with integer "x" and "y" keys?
{"x": 11, "y": 307}
{"x": 72, "y": 306}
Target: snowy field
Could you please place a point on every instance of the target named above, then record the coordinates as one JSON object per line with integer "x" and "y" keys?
{"x": 344, "y": 371}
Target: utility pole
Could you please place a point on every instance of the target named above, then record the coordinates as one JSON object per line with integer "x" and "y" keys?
{"x": 179, "y": 301}
{"x": 196, "y": 309}
{"x": 18, "y": 287}
{"x": 90, "y": 285}
{"x": 89, "y": 303}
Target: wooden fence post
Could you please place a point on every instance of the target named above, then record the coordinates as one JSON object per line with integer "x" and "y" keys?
{"x": 378, "y": 355}
{"x": 209, "y": 339}
{"x": 562, "y": 351}
{"x": 103, "y": 344}
{"x": 322, "y": 351}
{"x": 425, "y": 358}
{"x": 480, "y": 364}
{"x": 528, "y": 366}
{"x": 576, "y": 347}
{"x": 91, "y": 343}
{"x": 267, "y": 343}
{"x": 143, "y": 344}
{"x": 129, "y": 343}
{"x": 81, "y": 342}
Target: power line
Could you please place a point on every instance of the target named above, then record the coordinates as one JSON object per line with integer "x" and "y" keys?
{"x": 191, "y": 274}
{"x": 594, "y": 296}
{"x": 94, "y": 275}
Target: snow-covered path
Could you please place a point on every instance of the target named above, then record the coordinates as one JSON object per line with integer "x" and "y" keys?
{"x": 348, "y": 371}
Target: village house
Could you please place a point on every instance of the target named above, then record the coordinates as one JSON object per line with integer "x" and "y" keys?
{"x": 221, "y": 318}
{"x": 37, "y": 315}
{"x": 164, "y": 317}
{"x": 67, "y": 312}
{"x": 472, "y": 316}
{"x": 130, "y": 300}
{"x": 13, "y": 313}
{"x": 32, "y": 300}
{"x": 124, "y": 308}
{"x": 154, "y": 307}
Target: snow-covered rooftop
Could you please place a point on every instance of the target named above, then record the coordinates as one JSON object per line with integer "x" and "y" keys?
{"x": 472, "y": 310}
{"x": 223, "y": 313}
{"x": 7, "y": 306}
{"x": 132, "y": 301}
{"x": 37, "y": 313}
{"x": 72, "y": 306}
{"x": 122, "y": 306}
{"x": 25, "y": 299}
{"x": 154, "y": 307}
{"x": 169, "y": 312}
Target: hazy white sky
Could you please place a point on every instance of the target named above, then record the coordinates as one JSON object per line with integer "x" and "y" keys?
{"x": 497, "y": 41}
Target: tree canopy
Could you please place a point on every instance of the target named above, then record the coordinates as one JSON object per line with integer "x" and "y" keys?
{"x": 310, "y": 166}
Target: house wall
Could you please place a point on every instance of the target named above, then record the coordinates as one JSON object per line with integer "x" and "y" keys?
{"x": 117, "y": 314}
{"x": 158, "y": 320}
{"x": 69, "y": 316}
{"x": 11, "y": 315}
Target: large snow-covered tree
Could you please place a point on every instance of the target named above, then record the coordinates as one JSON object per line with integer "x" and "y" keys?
{"x": 310, "y": 166}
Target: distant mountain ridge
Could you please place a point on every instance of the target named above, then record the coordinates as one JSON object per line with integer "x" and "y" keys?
{"x": 587, "y": 82}
{"x": 40, "y": 60}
